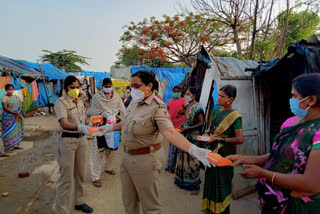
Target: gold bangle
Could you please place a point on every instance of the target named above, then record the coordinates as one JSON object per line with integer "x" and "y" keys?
{"x": 273, "y": 177}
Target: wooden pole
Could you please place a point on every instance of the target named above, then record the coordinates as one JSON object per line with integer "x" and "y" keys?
{"x": 45, "y": 88}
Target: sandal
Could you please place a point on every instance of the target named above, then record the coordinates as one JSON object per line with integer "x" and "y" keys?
{"x": 110, "y": 172}
{"x": 17, "y": 147}
{"x": 97, "y": 183}
{"x": 3, "y": 155}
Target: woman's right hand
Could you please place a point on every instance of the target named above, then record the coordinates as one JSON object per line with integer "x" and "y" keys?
{"x": 236, "y": 159}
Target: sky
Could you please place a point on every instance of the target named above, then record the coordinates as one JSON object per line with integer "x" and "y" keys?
{"x": 90, "y": 27}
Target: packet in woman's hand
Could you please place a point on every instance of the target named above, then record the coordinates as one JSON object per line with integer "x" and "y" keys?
{"x": 218, "y": 160}
{"x": 203, "y": 138}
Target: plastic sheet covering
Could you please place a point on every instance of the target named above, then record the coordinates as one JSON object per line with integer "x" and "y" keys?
{"x": 168, "y": 77}
{"x": 51, "y": 72}
{"x": 43, "y": 101}
{"x": 98, "y": 76}
{"x": 17, "y": 66}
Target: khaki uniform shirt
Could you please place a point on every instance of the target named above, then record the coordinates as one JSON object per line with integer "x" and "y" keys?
{"x": 74, "y": 111}
{"x": 143, "y": 122}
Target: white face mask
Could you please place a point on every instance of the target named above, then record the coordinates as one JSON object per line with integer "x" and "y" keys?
{"x": 108, "y": 90}
{"x": 137, "y": 95}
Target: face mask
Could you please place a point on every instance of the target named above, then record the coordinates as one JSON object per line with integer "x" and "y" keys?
{"x": 107, "y": 90}
{"x": 222, "y": 102}
{"x": 10, "y": 92}
{"x": 74, "y": 93}
{"x": 137, "y": 95}
{"x": 296, "y": 110}
{"x": 176, "y": 95}
{"x": 188, "y": 98}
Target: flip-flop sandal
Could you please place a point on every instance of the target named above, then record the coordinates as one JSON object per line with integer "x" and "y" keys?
{"x": 110, "y": 172}
{"x": 17, "y": 147}
{"x": 4, "y": 155}
{"x": 97, "y": 183}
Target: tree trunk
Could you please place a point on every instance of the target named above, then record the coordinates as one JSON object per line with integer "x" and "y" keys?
{"x": 254, "y": 30}
{"x": 268, "y": 27}
{"x": 237, "y": 40}
{"x": 279, "y": 48}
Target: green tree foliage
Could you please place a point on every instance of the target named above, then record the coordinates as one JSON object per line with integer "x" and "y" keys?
{"x": 301, "y": 26}
{"x": 174, "y": 39}
{"x": 67, "y": 60}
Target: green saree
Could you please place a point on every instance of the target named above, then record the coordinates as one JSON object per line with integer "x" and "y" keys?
{"x": 218, "y": 180}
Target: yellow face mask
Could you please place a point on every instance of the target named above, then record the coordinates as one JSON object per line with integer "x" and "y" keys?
{"x": 74, "y": 93}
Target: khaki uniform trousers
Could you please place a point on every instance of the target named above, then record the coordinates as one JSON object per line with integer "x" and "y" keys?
{"x": 73, "y": 161}
{"x": 140, "y": 182}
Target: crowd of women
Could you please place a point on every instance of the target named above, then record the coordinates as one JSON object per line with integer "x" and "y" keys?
{"x": 287, "y": 176}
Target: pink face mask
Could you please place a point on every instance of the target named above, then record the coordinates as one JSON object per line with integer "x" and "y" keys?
{"x": 10, "y": 92}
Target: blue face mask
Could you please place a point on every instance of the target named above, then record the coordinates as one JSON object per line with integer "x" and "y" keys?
{"x": 296, "y": 110}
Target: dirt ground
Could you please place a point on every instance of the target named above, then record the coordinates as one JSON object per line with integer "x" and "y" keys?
{"x": 36, "y": 193}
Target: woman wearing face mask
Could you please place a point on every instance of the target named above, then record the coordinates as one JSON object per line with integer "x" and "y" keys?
{"x": 225, "y": 132}
{"x": 104, "y": 101}
{"x": 176, "y": 107}
{"x": 187, "y": 174}
{"x": 73, "y": 149}
{"x": 289, "y": 175}
{"x": 143, "y": 125}
{"x": 12, "y": 121}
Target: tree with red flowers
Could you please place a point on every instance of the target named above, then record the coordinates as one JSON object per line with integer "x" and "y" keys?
{"x": 174, "y": 39}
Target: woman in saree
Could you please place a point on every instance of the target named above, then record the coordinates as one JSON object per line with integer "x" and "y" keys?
{"x": 104, "y": 101}
{"x": 12, "y": 121}
{"x": 187, "y": 174}
{"x": 176, "y": 107}
{"x": 225, "y": 133}
{"x": 289, "y": 175}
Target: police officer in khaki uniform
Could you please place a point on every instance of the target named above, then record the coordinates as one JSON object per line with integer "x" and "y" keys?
{"x": 73, "y": 149}
{"x": 143, "y": 125}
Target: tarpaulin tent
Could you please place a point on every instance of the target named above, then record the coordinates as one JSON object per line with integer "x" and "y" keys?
{"x": 168, "y": 77}
{"x": 51, "y": 72}
{"x": 98, "y": 76}
{"x": 14, "y": 65}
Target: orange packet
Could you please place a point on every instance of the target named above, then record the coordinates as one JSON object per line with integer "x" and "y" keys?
{"x": 178, "y": 130}
{"x": 203, "y": 138}
{"x": 97, "y": 120}
{"x": 220, "y": 160}
{"x": 94, "y": 130}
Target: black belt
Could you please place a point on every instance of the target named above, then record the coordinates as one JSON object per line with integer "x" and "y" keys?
{"x": 72, "y": 135}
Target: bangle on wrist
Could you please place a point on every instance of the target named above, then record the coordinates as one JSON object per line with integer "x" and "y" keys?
{"x": 273, "y": 177}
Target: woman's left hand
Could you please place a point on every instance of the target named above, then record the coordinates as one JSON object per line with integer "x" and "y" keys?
{"x": 252, "y": 171}
{"x": 212, "y": 139}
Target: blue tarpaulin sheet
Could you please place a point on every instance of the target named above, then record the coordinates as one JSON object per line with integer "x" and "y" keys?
{"x": 17, "y": 66}
{"x": 51, "y": 72}
{"x": 98, "y": 76}
{"x": 42, "y": 99}
{"x": 168, "y": 77}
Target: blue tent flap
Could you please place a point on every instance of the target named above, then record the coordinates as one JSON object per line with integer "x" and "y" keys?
{"x": 168, "y": 77}
{"x": 51, "y": 72}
